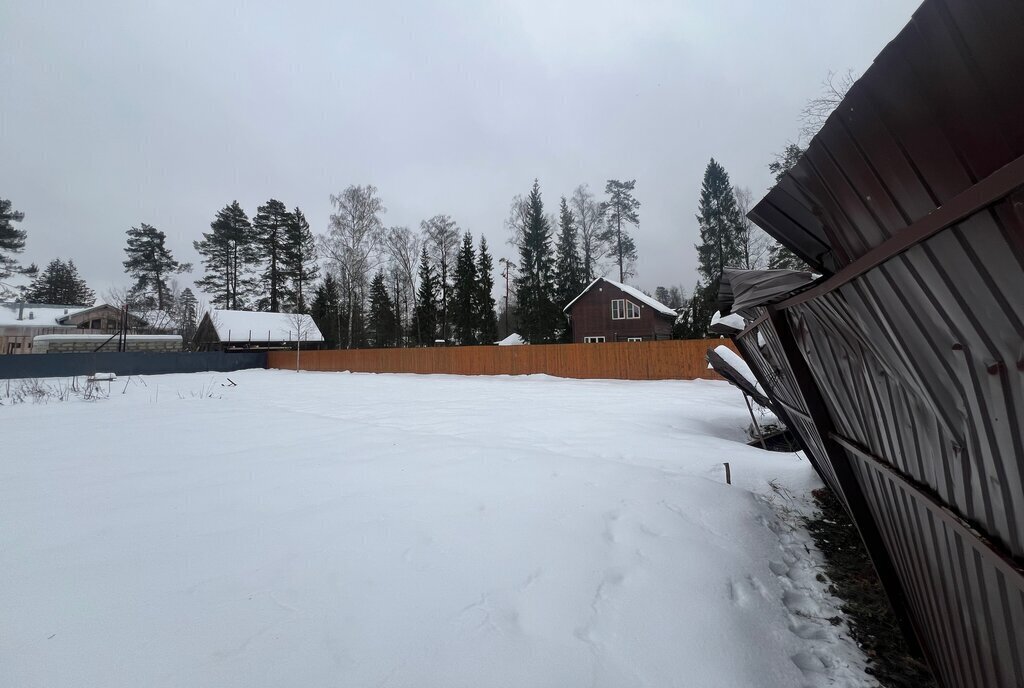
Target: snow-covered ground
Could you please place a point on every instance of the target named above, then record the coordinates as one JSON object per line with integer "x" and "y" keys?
{"x": 328, "y": 529}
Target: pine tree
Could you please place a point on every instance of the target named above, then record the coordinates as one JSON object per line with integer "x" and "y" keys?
{"x": 538, "y": 314}
{"x": 228, "y": 251}
{"x": 424, "y": 327}
{"x": 661, "y": 294}
{"x": 300, "y": 260}
{"x": 270, "y": 227}
{"x": 568, "y": 266}
{"x": 12, "y": 240}
{"x": 150, "y": 262}
{"x": 60, "y": 283}
{"x": 483, "y": 301}
{"x": 464, "y": 288}
{"x": 382, "y": 313}
{"x": 621, "y": 210}
{"x": 326, "y": 311}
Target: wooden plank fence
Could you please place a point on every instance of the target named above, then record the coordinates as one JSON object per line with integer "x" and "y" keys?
{"x": 664, "y": 360}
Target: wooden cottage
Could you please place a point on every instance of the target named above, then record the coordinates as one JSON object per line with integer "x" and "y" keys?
{"x": 608, "y": 311}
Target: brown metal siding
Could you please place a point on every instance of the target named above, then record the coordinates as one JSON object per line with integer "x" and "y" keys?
{"x": 912, "y": 195}
{"x": 592, "y": 317}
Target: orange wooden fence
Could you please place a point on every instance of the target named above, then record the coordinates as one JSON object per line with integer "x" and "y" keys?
{"x": 665, "y": 360}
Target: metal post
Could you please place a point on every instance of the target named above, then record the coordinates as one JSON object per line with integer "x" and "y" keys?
{"x": 760, "y": 435}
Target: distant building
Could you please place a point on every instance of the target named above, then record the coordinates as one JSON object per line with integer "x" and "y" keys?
{"x": 103, "y": 318}
{"x": 608, "y": 311}
{"x": 224, "y": 330}
{"x": 20, "y": 322}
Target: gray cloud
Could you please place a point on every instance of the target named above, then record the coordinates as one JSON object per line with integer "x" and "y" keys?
{"x": 119, "y": 113}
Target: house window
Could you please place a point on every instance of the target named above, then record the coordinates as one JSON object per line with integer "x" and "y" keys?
{"x": 634, "y": 339}
{"x": 623, "y": 309}
{"x": 593, "y": 340}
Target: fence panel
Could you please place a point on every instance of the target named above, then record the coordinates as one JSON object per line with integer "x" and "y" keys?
{"x": 664, "y": 360}
{"x": 126, "y": 363}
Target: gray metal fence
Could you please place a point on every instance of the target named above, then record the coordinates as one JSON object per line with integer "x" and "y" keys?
{"x": 902, "y": 370}
{"x": 125, "y": 363}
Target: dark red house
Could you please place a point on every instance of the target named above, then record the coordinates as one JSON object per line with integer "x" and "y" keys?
{"x": 607, "y": 311}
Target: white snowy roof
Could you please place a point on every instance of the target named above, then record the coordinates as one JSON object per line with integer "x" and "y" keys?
{"x": 35, "y": 314}
{"x": 732, "y": 320}
{"x": 256, "y": 326}
{"x": 739, "y": 365}
{"x": 512, "y": 340}
{"x": 631, "y": 291}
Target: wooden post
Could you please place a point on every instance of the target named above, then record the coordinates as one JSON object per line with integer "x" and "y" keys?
{"x": 728, "y": 473}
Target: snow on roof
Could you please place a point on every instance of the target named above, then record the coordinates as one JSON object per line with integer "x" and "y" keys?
{"x": 632, "y": 291}
{"x": 732, "y": 320}
{"x": 737, "y": 363}
{"x": 35, "y": 314}
{"x": 257, "y": 326}
{"x": 512, "y": 340}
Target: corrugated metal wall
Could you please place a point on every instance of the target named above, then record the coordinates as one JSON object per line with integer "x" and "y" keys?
{"x": 903, "y": 370}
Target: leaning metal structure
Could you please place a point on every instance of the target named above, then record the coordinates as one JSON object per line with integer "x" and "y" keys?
{"x": 901, "y": 367}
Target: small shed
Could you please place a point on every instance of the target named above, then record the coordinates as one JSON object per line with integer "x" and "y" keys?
{"x": 226, "y": 330}
{"x": 609, "y": 311}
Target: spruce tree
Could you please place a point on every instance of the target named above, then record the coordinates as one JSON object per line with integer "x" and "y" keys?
{"x": 270, "y": 227}
{"x": 464, "y": 288}
{"x": 188, "y": 314}
{"x": 620, "y": 211}
{"x": 424, "y": 325}
{"x": 60, "y": 283}
{"x": 326, "y": 311}
{"x": 537, "y": 313}
{"x": 300, "y": 260}
{"x": 12, "y": 240}
{"x": 150, "y": 262}
{"x": 719, "y": 221}
{"x": 382, "y": 313}
{"x": 483, "y": 301}
{"x": 568, "y": 266}
{"x": 228, "y": 251}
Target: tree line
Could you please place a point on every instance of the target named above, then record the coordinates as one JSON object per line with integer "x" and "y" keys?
{"x": 392, "y": 286}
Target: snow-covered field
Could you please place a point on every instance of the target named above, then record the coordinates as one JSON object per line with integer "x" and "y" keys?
{"x": 328, "y": 529}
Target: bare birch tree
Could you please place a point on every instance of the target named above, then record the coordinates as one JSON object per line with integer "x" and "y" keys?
{"x": 590, "y": 225}
{"x": 817, "y": 110}
{"x": 442, "y": 235}
{"x": 402, "y": 247}
{"x": 753, "y": 240}
{"x": 353, "y": 242}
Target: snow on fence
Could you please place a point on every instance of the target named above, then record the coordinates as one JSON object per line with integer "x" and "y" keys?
{"x": 664, "y": 360}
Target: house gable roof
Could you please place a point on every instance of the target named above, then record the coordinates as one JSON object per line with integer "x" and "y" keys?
{"x": 260, "y": 326}
{"x": 629, "y": 291}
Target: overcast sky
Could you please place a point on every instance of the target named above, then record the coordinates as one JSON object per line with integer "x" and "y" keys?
{"x": 113, "y": 114}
